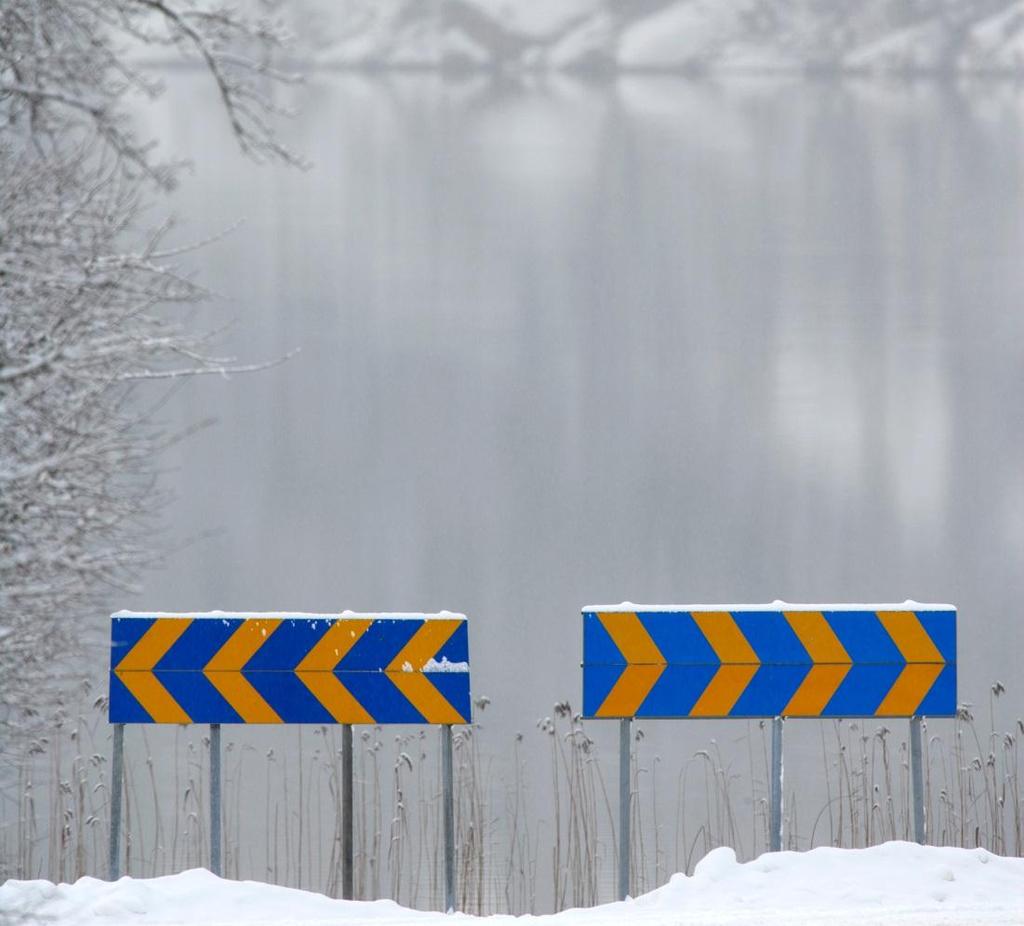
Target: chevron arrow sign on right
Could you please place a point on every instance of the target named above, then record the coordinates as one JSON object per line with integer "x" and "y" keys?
{"x": 769, "y": 660}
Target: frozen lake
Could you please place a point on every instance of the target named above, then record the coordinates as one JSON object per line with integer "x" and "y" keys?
{"x": 651, "y": 340}
{"x": 654, "y": 340}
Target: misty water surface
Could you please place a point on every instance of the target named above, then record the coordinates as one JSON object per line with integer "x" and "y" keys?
{"x": 652, "y": 340}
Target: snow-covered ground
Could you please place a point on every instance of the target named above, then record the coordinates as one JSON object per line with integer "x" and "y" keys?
{"x": 899, "y": 883}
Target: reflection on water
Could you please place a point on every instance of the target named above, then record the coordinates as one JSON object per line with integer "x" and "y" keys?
{"x": 654, "y": 340}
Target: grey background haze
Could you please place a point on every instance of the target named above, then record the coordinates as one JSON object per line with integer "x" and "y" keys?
{"x": 654, "y": 340}
{"x": 646, "y": 339}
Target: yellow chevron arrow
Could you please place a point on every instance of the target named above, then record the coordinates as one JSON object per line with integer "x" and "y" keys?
{"x": 317, "y": 670}
{"x": 739, "y": 663}
{"x": 831, "y": 663}
{"x": 924, "y": 663}
{"x": 135, "y": 670}
{"x": 406, "y": 671}
{"x": 909, "y": 690}
{"x": 910, "y": 637}
{"x": 224, "y": 670}
{"x": 645, "y": 664}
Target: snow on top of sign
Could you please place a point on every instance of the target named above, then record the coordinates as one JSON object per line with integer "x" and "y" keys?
{"x": 897, "y": 882}
{"x": 305, "y": 615}
{"x": 628, "y": 606}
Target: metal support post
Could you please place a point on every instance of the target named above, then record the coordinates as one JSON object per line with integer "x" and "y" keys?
{"x": 448, "y": 786}
{"x": 346, "y": 811}
{"x": 775, "y": 807}
{"x": 215, "y": 815}
{"x": 917, "y": 780}
{"x": 116, "y": 792}
{"x": 624, "y": 801}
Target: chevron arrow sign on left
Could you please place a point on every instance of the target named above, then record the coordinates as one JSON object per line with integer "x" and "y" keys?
{"x": 285, "y": 668}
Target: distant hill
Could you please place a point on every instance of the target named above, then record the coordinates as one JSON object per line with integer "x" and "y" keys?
{"x": 607, "y": 36}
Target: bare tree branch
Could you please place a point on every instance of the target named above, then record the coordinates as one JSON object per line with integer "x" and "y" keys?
{"x": 86, "y": 321}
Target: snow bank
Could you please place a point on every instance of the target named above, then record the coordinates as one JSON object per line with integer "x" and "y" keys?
{"x": 898, "y": 883}
{"x": 894, "y": 882}
{"x": 192, "y": 897}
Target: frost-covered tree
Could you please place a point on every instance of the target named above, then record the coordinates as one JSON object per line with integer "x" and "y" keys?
{"x": 83, "y": 315}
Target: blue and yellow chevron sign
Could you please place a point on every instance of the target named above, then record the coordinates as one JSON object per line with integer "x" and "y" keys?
{"x": 273, "y": 668}
{"x": 770, "y": 660}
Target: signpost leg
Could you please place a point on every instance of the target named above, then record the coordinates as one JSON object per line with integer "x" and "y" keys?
{"x": 775, "y": 807}
{"x": 346, "y": 811}
{"x": 215, "y": 818}
{"x": 624, "y": 796}
{"x": 448, "y": 787}
{"x": 116, "y": 791}
{"x": 917, "y": 779}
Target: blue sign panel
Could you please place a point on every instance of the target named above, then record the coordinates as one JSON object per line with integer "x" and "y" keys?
{"x": 770, "y": 660}
{"x": 351, "y": 668}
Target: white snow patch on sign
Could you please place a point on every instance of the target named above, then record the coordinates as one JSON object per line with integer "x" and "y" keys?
{"x": 895, "y": 883}
{"x": 630, "y": 607}
{"x": 303, "y": 615}
{"x": 432, "y": 665}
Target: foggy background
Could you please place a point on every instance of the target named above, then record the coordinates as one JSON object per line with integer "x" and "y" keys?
{"x": 572, "y": 338}
{"x": 654, "y": 340}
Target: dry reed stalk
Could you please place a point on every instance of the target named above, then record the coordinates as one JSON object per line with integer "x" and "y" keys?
{"x": 54, "y": 806}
